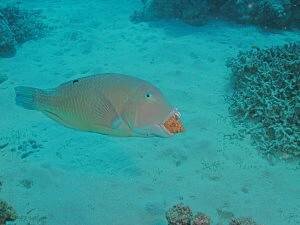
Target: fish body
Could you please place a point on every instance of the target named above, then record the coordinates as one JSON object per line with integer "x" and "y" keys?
{"x": 112, "y": 104}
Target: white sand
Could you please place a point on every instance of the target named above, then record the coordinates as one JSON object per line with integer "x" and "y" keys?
{"x": 88, "y": 179}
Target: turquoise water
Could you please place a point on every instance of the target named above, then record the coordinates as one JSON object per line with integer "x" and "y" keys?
{"x": 54, "y": 175}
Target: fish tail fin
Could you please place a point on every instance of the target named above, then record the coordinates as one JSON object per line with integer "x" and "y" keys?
{"x": 27, "y": 97}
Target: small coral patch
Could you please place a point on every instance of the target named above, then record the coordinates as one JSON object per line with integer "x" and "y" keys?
{"x": 7, "y": 213}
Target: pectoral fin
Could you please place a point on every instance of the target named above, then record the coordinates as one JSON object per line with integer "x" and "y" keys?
{"x": 105, "y": 112}
{"x": 120, "y": 124}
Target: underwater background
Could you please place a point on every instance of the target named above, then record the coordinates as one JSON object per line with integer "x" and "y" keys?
{"x": 232, "y": 68}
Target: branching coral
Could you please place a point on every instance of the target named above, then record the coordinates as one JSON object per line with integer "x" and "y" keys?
{"x": 7, "y": 213}
{"x": 266, "y": 98}
{"x": 18, "y": 26}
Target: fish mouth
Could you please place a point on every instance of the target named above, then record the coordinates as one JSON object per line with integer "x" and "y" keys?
{"x": 172, "y": 124}
{"x": 169, "y": 127}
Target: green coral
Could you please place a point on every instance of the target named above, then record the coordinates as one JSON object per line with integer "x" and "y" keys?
{"x": 266, "y": 98}
{"x": 7, "y": 213}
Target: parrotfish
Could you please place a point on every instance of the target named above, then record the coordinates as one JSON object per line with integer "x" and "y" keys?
{"x": 111, "y": 104}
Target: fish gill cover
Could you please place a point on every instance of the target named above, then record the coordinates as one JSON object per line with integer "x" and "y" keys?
{"x": 265, "y": 13}
{"x": 266, "y": 98}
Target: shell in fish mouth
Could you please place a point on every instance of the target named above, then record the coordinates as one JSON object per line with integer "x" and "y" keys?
{"x": 173, "y": 123}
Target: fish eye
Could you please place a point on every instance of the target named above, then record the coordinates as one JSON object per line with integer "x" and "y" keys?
{"x": 148, "y": 95}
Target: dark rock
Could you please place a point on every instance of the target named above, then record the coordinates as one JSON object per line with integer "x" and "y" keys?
{"x": 295, "y": 9}
{"x": 242, "y": 221}
{"x": 24, "y": 24}
{"x": 280, "y": 14}
{"x": 7, "y": 39}
{"x": 7, "y": 213}
{"x": 192, "y": 12}
{"x": 265, "y": 13}
{"x": 26, "y": 183}
{"x": 18, "y": 26}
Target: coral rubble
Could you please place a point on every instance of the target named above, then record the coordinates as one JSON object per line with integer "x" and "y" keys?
{"x": 265, "y": 13}
{"x": 266, "y": 98}
{"x": 7, "y": 213}
{"x": 18, "y": 26}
